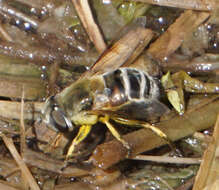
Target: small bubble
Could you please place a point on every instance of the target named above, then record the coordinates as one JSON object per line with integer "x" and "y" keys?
{"x": 31, "y": 55}
{"x": 43, "y": 76}
{"x": 72, "y": 179}
{"x": 216, "y": 88}
{"x": 27, "y": 26}
{"x": 43, "y": 67}
{"x": 10, "y": 11}
{"x": 209, "y": 7}
{"x": 18, "y": 22}
{"x": 75, "y": 31}
{"x": 81, "y": 48}
{"x": 106, "y": 2}
{"x": 206, "y": 132}
{"x": 33, "y": 10}
{"x": 43, "y": 12}
{"x": 165, "y": 59}
{"x": 209, "y": 27}
{"x": 161, "y": 20}
{"x": 123, "y": 6}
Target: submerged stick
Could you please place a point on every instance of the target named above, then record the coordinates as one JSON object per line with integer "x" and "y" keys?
{"x": 4, "y": 7}
{"x": 200, "y": 5}
{"x": 9, "y": 109}
{"x": 167, "y": 159}
{"x": 171, "y": 40}
{"x": 197, "y": 118}
{"x": 12, "y": 86}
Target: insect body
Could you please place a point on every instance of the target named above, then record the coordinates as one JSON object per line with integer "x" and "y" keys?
{"x": 126, "y": 95}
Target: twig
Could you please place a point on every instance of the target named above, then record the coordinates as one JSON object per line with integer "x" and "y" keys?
{"x": 22, "y": 127}
{"x": 7, "y": 186}
{"x": 32, "y": 3}
{"x": 39, "y": 54}
{"x": 89, "y": 24}
{"x": 27, "y": 174}
{"x": 9, "y": 109}
{"x": 167, "y": 159}
{"x": 201, "y": 5}
{"x": 11, "y": 86}
{"x": 208, "y": 63}
{"x": 44, "y": 162}
{"x": 208, "y": 171}
{"x": 4, "y": 7}
{"x": 5, "y": 34}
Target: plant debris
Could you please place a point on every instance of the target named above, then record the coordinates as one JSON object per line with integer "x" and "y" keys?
{"x": 47, "y": 46}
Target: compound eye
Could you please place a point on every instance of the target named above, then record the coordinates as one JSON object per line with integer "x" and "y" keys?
{"x": 60, "y": 120}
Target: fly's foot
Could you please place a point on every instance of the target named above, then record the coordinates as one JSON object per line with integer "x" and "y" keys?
{"x": 128, "y": 148}
{"x": 115, "y": 133}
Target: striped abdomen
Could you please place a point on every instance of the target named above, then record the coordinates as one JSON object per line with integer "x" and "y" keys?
{"x": 128, "y": 84}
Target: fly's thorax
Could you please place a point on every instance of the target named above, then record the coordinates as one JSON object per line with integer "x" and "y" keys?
{"x": 76, "y": 98}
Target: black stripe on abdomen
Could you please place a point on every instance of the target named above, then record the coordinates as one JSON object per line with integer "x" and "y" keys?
{"x": 134, "y": 78}
{"x": 115, "y": 86}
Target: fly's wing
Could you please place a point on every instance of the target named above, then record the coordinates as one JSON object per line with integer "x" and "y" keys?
{"x": 125, "y": 50}
{"x": 148, "y": 110}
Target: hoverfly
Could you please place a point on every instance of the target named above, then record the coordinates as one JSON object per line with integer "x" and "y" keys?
{"x": 107, "y": 92}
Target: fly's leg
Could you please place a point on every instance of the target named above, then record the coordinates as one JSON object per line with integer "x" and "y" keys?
{"x": 82, "y": 134}
{"x": 146, "y": 125}
{"x": 175, "y": 84}
{"x": 115, "y": 133}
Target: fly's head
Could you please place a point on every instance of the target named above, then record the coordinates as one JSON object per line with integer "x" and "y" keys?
{"x": 55, "y": 117}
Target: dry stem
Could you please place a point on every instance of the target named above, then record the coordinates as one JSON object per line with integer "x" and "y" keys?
{"x": 9, "y": 109}
{"x": 167, "y": 159}
{"x": 200, "y": 5}
{"x": 208, "y": 172}
{"x": 26, "y": 172}
{"x": 89, "y": 24}
{"x": 5, "y": 34}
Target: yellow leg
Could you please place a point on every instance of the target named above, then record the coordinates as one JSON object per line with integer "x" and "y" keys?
{"x": 147, "y": 126}
{"x": 82, "y": 134}
{"x": 105, "y": 120}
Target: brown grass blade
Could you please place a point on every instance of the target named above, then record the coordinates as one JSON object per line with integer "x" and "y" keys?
{"x": 200, "y": 5}
{"x": 207, "y": 177}
{"x": 89, "y": 24}
{"x": 25, "y": 171}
